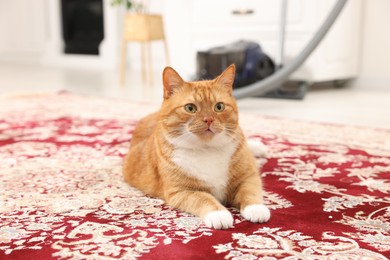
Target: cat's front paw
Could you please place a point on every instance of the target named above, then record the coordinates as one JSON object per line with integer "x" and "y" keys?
{"x": 256, "y": 213}
{"x": 218, "y": 219}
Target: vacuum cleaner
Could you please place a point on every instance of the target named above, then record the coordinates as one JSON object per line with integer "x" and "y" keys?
{"x": 257, "y": 74}
{"x": 252, "y": 64}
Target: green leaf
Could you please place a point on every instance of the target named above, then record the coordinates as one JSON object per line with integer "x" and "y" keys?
{"x": 128, "y": 4}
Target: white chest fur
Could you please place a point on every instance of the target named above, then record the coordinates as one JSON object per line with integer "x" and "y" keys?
{"x": 208, "y": 164}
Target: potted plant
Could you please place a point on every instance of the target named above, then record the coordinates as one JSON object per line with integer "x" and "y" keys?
{"x": 140, "y": 26}
{"x": 130, "y": 5}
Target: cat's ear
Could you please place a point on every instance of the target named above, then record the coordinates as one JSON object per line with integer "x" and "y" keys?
{"x": 171, "y": 81}
{"x": 226, "y": 79}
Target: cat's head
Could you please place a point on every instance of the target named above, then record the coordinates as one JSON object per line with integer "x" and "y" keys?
{"x": 200, "y": 112}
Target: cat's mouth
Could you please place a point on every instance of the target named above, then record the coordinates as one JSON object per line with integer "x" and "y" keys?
{"x": 208, "y": 132}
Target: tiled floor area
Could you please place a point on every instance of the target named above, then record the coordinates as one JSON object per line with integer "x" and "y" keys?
{"x": 345, "y": 106}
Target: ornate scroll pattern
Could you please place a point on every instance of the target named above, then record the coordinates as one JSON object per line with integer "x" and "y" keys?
{"x": 62, "y": 194}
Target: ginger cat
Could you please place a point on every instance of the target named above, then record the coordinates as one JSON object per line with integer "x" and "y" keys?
{"x": 193, "y": 154}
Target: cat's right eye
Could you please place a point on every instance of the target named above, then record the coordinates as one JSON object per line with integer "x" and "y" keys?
{"x": 190, "y": 108}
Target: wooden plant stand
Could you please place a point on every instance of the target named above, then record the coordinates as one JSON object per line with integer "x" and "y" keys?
{"x": 143, "y": 28}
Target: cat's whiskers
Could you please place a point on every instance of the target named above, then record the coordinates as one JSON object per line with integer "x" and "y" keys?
{"x": 177, "y": 141}
{"x": 233, "y": 136}
{"x": 230, "y": 126}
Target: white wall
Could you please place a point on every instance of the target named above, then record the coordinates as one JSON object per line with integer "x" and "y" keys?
{"x": 23, "y": 34}
{"x": 17, "y": 40}
{"x": 375, "y": 58}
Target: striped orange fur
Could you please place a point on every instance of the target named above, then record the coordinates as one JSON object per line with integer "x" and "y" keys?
{"x": 193, "y": 154}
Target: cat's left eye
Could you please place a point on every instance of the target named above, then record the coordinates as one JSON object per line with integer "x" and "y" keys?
{"x": 219, "y": 107}
{"x": 190, "y": 108}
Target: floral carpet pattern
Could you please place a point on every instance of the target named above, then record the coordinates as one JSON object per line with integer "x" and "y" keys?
{"x": 62, "y": 195}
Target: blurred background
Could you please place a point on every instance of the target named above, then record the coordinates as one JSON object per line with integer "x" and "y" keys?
{"x": 83, "y": 46}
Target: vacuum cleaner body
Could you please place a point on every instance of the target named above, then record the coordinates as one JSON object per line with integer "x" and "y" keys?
{"x": 252, "y": 64}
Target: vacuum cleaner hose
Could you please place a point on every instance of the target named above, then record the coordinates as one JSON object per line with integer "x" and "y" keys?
{"x": 278, "y": 78}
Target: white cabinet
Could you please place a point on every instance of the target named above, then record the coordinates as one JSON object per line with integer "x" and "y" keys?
{"x": 200, "y": 24}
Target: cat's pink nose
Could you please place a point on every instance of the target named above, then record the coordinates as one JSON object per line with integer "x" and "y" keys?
{"x": 208, "y": 120}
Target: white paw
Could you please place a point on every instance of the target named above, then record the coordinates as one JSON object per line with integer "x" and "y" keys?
{"x": 257, "y": 147}
{"x": 256, "y": 213}
{"x": 219, "y": 219}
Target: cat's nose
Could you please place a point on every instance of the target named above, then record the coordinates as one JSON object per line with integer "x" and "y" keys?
{"x": 208, "y": 120}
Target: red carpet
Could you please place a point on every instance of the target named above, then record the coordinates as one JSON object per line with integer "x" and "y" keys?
{"x": 62, "y": 195}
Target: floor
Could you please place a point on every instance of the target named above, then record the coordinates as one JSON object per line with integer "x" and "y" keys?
{"x": 345, "y": 105}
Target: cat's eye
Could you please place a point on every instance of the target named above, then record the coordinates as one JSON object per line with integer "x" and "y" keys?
{"x": 190, "y": 108}
{"x": 219, "y": 107}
